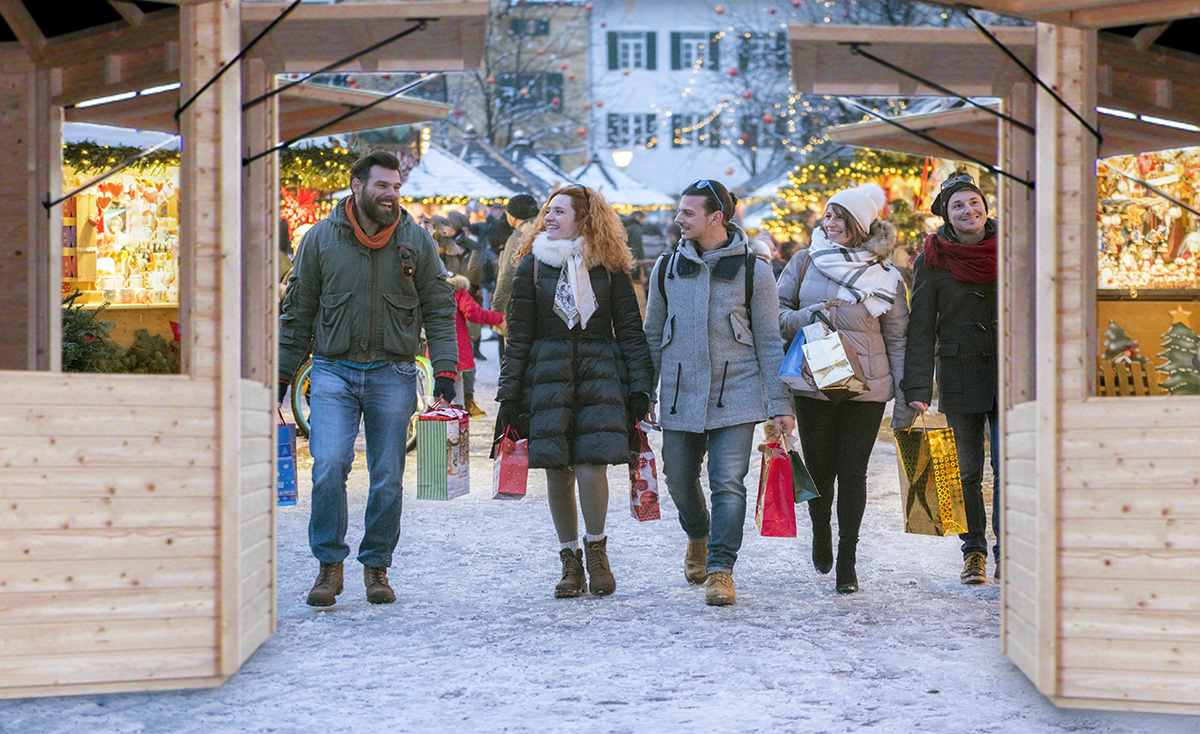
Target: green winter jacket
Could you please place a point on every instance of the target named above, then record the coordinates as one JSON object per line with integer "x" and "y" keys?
{"x": 346, "y": 301}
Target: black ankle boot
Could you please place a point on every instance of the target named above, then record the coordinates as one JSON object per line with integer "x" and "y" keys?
{"x": 822, "y": 547}
{"x": 847, "y": 579}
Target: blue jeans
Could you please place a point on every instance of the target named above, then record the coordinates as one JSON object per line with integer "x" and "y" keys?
{"x": 968, "y": 435}
{"x": 384, "y": 399}
{"x": 728, "y": 461}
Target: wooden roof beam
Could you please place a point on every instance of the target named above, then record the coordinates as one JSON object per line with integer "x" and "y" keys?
{"x": 1089, "y": 13}
{"x": 23, "y": 26}
{"x": 130, "y": 12}
{"x": 1148, "y": 35}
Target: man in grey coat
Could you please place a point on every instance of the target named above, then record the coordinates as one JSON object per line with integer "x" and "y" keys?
{"x": 717, "y": 355}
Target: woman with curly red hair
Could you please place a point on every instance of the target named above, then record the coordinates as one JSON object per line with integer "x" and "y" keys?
{"x": 577, "y": 369}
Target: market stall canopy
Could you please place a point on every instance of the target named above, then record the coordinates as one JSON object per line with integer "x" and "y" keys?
{"x": 104, "y": 48}
{"x": 1092, "y": 13}
{"x": 441, "y": 175}
{"x": 1163, "y": 86}
{"x": 301, "y": 108}
{"x": 619, "y": 187}
{"x": 519, "y": 166}
{"x": 976, "y": 133}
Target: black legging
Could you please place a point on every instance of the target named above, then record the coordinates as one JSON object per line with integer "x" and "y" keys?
{"x": 837, "y": 440}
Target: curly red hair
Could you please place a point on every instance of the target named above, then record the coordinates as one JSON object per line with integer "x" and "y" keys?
{"x": 604, "y": 237}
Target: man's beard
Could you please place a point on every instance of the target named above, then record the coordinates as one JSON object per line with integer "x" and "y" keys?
{"x": 379, "y": 215}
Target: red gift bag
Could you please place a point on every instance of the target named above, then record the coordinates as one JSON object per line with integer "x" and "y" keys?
{"x": 643, "y": 476}
{"x": 510, "y": 468}
{"x": 775, "y": 514}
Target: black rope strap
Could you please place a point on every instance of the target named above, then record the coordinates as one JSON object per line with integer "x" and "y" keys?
{"x": 109, "y": 173}
{"x": 240, "y": 55}
{"x": 336, "y": 120}
{"x": 421, "y": 24}
{"x": 1031, "y": 74}
{"x": 938, "y": 143}
{"x": 1148, "y": 186}
{"x": 856, "y": 48}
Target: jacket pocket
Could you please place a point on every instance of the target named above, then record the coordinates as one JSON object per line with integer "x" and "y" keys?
{"x": 332, "y": 335}
{"x": 741, "y": 330}
{"x": 949, "y": 368}
{"x": 400, "y": 324}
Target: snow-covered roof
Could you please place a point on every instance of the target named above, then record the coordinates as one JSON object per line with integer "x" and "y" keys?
{"x": 78, "y": 132}
{"x": 442, "y": 174}
{"x": 619, "y": 187}
{"x": 518, "y": 167}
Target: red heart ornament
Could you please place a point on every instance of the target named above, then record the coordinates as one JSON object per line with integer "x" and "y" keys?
{"x": 102, "y": 202}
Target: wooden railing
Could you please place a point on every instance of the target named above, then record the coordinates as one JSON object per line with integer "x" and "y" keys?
{"x": 1116, "y": 379}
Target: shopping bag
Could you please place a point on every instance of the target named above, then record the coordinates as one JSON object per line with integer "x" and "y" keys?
{"x": 775, "y": 512}
{"x": 930, "y": 485}
{"x": 443, "y": 453}
{"x": 803, "y": 486}
{"x": 832, "y": 361}
{"x": 286, "y": 477}
{"x": 643, "y": 475}
{"x": 510, "y": 468}
{"x": 794, "y": 371}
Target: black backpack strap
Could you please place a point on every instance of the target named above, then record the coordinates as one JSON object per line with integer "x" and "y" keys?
{"x": 664, "y": 264}
{"x": 750, "y": 258}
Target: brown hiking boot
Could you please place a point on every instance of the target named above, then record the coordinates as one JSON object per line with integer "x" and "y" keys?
{"x": 601, "y": 581}
{"x": 694, "y": 560}
{"x": 974, "y": 569}
{"x": 378, "y": 591}
{"x": 719, "y": 589}
{"x": 473, "y": 408}
{"x": 573, "y": 582}
{"x": 329, "y": 584}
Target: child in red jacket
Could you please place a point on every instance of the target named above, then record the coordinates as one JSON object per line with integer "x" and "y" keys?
{"x": 469, "y": 310}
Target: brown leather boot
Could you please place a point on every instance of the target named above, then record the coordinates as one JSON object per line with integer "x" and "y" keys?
{"x": 473, "y": 408}
{"x": 378, "y": 591}
{"x": 719, "y": 590}
{"x": 573, "y": 582}
{"x": 601, "y": 582}
{"x": 329, "y": 584}
{"x": 694, "y": 560}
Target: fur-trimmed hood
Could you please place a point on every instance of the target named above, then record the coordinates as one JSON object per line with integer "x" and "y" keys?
{"x": 555, "y": 252}
{"x": 881, "y": 240}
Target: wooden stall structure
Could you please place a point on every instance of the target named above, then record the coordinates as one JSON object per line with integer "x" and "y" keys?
{"x": 137, "y": 547}
{"x": 1098, "y": 492}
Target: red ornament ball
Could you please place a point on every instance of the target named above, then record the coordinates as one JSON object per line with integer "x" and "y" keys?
{"x": 491, "y": 80}
{"x": 733, "y": 72}
{"x": 771, "y": 11}
{"x": 556, "y": 101}
{"x": 599, "y": 103}
{"x": 564, "y": 66}
{"x": 589, "y": 6}
{"x": 524, "y": 91}
{"x": 795, "y": 3}
{"x": 768, "y": 119}
{"x": 587, "y": 107}
{"x": 456, "y": 113}
{"x": 720, "y": 9}
{"x": 582, "y": 131}
{"x": 570, "y": 77}
{"x": 745, "y": 137}
{"x": 541, "y": 52}
{"x": 747, "y": 94}
{"x": 625, "y": 72}
{"x": 729, "y": 171}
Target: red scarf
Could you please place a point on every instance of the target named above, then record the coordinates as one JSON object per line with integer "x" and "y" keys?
{"x": 975, "y": 263}
{"x": 381, "y": 237}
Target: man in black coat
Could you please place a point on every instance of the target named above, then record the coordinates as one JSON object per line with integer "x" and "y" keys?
{"x": 953, "y": 322}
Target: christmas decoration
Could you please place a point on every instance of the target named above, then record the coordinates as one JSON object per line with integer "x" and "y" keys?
{"x": 1180, "y": 361}
{"x": 720, "y": 9}
{"x": 1120, "y": 347}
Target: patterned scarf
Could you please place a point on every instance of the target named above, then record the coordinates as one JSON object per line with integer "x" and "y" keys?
{"x": 574, "y": 300}
{"x": 862, "y": 276}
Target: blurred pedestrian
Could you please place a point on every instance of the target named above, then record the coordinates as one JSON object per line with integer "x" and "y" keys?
{"x": 521, "y": 211}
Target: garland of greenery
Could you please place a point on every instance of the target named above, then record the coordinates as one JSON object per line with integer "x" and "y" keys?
{"x": 91, "y": 158}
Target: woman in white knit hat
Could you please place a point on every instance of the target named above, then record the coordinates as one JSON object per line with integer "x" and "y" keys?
{"x": 846, "y": 275}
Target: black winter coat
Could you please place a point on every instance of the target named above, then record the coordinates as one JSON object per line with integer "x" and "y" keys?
{"x": 575, "y": 384}
{"x": 951, "y": 322}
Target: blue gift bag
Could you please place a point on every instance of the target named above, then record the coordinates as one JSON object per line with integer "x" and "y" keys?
{"x": 286, "y": 476}
{"x": 794, "y": 372}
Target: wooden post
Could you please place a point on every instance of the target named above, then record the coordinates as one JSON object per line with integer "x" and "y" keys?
{"x": 1066, "y": 189}
{"x": 211, "y": 232}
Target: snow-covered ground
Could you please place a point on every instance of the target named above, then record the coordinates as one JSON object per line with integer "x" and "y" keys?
{"x": 477, "y": 643}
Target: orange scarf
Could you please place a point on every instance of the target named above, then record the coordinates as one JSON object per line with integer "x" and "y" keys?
{"x": 381, "y": 237}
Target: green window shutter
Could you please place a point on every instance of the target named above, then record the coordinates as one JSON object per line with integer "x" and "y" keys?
{"x": 714, "y": 132}
{"x": 714, "y": 51}
{"x": 651, "y": 51}
{"x": 676, "y": 65}
{"x": 612, "y": 50}
{"x": 651, "y": 136}
{"x": 676, "y": 132}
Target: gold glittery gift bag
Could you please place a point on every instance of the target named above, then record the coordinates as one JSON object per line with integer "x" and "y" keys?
{"x": 930, "y": 484}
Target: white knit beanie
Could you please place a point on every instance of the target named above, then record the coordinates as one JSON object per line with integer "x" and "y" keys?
{"x": 863, "y": 203}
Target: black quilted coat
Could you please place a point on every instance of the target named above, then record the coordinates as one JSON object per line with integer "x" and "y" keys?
{"x": 575, "y": 383}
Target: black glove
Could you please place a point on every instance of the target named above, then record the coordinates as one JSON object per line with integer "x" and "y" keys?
{"x": 510, "y": 416}
{"x": 639, "y": 405}
{"x": 443, "y": 387}
{"x": 283, "y": 388}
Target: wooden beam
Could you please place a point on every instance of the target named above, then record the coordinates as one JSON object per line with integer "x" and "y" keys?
{"x": 130, "y": 12}
{"x": 1148, "y": 35}
{"x": 268, "y": 11}
{"x": 23, "y": 26}
{"x": 158, "y": 29}
{"x": 1127, "y": 13}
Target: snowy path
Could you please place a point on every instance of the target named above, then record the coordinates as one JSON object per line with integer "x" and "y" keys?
{"x": 477, "y": 643}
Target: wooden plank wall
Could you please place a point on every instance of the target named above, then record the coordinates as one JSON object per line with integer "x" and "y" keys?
{"x": 1019, "y": 544}
{"x": 108, "y": 538}
{"x": 257, "y": 531}
{"x": 17, "y": 267}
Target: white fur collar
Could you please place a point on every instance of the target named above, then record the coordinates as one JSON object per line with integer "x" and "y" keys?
{"x": 555, "y": 252}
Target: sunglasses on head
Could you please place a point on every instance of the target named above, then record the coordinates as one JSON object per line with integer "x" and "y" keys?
{"x": 957, "y": 180}
{"x": 704, "y": 183}
{"x": 586, "y": 197}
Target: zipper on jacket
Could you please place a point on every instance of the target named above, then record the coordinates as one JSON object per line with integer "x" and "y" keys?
{"x": 721, "y": 395}
{"x": 370, "y": 356}
{"x": 678, "y": 377}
